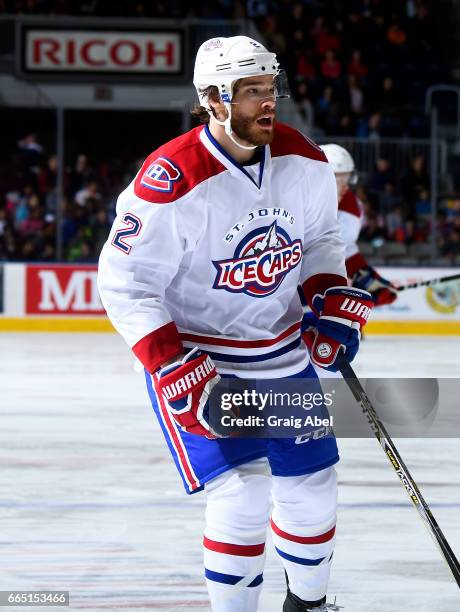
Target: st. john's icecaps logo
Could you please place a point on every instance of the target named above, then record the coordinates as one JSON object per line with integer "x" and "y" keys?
{"x": 161, "y": 175}
{"x": 262, "y": 260}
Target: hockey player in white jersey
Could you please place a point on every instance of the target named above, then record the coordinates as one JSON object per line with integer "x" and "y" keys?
{"x": 200, "y": 276}
{"x": 350, "y": 216}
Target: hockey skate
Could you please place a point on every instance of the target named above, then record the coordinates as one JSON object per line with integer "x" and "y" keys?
{"x": 295, "y": 604}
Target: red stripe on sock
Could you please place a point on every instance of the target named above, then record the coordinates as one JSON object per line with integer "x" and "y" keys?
{"x": 319, "y": 539}
{"x": 251, "y": 550}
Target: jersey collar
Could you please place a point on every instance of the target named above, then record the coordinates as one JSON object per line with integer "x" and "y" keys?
{"x": 235, "y": 168}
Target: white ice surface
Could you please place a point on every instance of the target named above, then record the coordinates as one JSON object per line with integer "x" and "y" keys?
{"x": 91, "y": 503}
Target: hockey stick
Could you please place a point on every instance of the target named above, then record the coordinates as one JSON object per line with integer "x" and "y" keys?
{"x": 398, "y": 464}
{"x": 428, "y": 283}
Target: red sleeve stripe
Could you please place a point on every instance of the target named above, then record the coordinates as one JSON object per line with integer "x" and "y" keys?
{"x": 241, "y": 550}
{"x": 319, "y": 539}
{"x": 355, "y": 263}
{"x": 318, "y": 283}
{"x": 159, "y": 346}
{"x": 219, "y": 341}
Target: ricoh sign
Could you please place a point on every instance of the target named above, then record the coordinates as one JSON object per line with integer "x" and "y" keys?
{"x": 128, "y": 52}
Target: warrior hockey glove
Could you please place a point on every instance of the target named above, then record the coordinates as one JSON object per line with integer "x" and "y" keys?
{"x": 185, "y": 387}
{"x": 342, "y": 312}
{"x": 382, "y": 291}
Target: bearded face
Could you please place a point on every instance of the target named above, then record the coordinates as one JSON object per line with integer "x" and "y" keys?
{"x": 253, "y": 110}
{"x": 256, "y": 129}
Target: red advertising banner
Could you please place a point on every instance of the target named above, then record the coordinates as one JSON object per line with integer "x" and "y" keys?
{"x": 102, "y": 51}
{"x": 61, "y": 289}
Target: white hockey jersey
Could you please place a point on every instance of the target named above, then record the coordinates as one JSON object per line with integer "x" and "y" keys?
{"x": 206, "y": 252}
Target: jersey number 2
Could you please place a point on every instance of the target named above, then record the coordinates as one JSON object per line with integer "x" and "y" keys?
{"x": 133, "y": 227}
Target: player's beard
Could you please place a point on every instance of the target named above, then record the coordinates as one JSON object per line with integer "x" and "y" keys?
{"x": 247, "y": 129}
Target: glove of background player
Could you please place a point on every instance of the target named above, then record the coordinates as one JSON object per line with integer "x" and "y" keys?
{"x": 382, "y": 291}
{"x": 185, "y": 387}
{"x": 343, "y": 312}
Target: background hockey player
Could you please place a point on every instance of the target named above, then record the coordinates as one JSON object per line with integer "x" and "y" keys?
{"x": 350, "y": 216}
{"x": 200, "y": 276}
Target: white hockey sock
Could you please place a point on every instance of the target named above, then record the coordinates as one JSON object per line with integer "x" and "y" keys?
{"x": 303, "y": 530}
{"x": 234, "y": 542}
{"x": 234, "y": 573}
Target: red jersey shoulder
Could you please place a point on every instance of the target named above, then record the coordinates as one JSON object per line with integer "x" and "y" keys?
{"x": 289, "y": 141}
{"x": 175, "y": 168}
{"x": 349, "y": 203}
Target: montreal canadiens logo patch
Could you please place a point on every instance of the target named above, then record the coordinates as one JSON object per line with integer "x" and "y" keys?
{"x": 161, "y": 175}
{"x": 262, "y": 260}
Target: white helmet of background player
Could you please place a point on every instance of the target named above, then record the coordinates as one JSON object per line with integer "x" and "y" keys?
{"x": 220, "y": 62}
{"x": 341, "y": 161}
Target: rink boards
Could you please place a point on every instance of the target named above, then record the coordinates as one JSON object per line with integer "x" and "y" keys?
{"x": 64, "y": 298}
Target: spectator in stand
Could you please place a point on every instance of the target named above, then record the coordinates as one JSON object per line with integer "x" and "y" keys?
{"x": 355, "y": 95}
{"x": 306, "y": 70}
{"x": 28, "y": 250}
{"x": 370, "y": 127}
{"x": 388, "y": 199}
{"x": 423, "y": 205}
{"x": 346, "y": 126}
{"x": 274, "y": 39}
{"x": 8, "y": 243}
{"x": 89, "y": 192}
{"x": 356, "y": 67}
{"x": 100, "y": 227}
{"x": 47, "y": 182}
{"x": 374, "y": 230}
{"x": 297, "y": 19}
{"x": 48, "y": 176}
{"x": 414, "y": 182}
{"x": 442, "y": 230}
{"x": 396, "y": 224}
{"x": 305, "y": 104}
{"x": 382, "y": 175}
{"x": 82, "y": 251}
{"x": 388, "y": 100}
{"x": 80, "y": 247}
{"x": 327, "y": 109}
{"x": 21, "y": 211}
{"x": 451, "y": 246}
{"x": 81, "y": 174}
{"x": 31, "y": 153}
{"x": 331, "y": 68}
{"x": 34, "y": 223}
{"x": 324, "y": 39}
{"x": 48, "y": 252}
{"x": 453, "y": 209}
{"x": 396, "y": 36}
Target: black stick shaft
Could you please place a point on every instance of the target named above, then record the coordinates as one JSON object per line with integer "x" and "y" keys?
{"x": 428, "y": 283}
{"x": 399, "y": 466}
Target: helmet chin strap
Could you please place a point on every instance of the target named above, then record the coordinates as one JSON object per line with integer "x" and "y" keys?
{"x": 228, "y": 127}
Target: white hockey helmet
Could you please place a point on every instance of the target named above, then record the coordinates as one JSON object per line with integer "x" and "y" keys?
{"x": 223, "y": 61}
{"x": 339, "y": 158}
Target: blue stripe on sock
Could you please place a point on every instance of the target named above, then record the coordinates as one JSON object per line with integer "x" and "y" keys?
{"x": 229, "y": 579}
{"x": 298, "y": 560}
